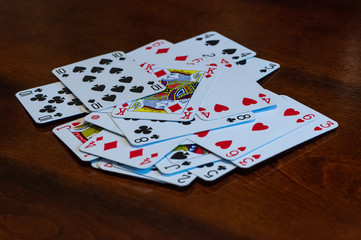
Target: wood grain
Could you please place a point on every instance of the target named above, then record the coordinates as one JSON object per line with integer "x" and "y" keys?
{"x": 310, "y": 192}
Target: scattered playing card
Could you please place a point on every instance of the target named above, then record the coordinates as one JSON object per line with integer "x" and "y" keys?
{"x": 104, "y": 120}
{"x": 107, "y": 80}
{"x": 75, "y": 133}
{"x": 50, "y": 102}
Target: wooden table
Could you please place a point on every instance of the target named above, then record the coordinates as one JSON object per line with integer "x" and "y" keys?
{"x": 312, "y": 191}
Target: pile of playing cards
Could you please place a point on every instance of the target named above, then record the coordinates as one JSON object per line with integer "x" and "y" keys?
{"x": 174, "y": 112}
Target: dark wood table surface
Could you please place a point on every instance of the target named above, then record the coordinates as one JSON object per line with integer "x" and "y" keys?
{"x": 312, "y": 191}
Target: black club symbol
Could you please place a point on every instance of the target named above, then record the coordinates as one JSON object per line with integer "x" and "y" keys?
{"x": 231, "y": 119}
{"x": 221, "y": 168}
{"x": 48, "y": 109}
{"x": 58, "y": 115}
{"x": 56, "y": 99}
{"x": 155, "y": 136}
{"x": 64, "y": 90}
{"x": 38, "y": 90}
{"x": 144, "y": 129}
{"x": 75, "y": 102}
{"x": 38, "y": 97}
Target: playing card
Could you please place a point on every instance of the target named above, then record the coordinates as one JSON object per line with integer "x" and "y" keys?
{"x": 104, "y": 120}
{"x": 116, "y": 148}
{"x": 215, "y": 44}
{"x": 156, "y": 48}
{"x": 50, "y": 102}
{"x": 186, "y": 87}
{"x": 75, "y": 133}
{"x": 232, "y": 93}
{"x": 107, "y": 80}
{"x": 214, "y": 170}
{"x": 111, "y": 166}
{"x": 184, "y": 157}
{"x": 320, "y": 126}
{"x": 233, "y": 142}
{"x": 140, "y": 131}
{"x": 257, "y": 68}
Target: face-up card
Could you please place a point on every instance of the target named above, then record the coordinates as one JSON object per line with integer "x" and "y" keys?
{"x": 185, "y": 90}
{"x": 50, "y": 102}
{"x": 156, "y": 48}
{"x": 75, "y": 133}
{"x": 232, "y": 93}
{"x": 180, "y": 179}
{"x": 140, "y": 132}
{"x": 214, "y": 170}
{"x": 233, "y": 142}
{"x": 107, "y": 80}
{"x": 184, "y": 157}
{"x": 257, "y": 68}
{"x": 322, "y": 125}
{"x": 213, "y": 43}
{"x": 111, "y": 166}
{"x": 116, "y": 148}
{"x": 104, "y": 120}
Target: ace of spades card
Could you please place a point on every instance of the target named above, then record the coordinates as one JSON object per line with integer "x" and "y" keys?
{"x": 107, "y": 80}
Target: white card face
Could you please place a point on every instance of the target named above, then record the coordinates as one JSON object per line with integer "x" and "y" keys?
{"x": 140, "y": 132}
{"x": 180, "y": 179}
{"x": 114, "y": 167}
{"x": 184, "y": 157}
{"x": 75, "y": 133}
{"x": 104, "y": 120}
{"x": 232, "y": 93}
{"x": 322, "y": 125}
{"x": 233, "y": 142}
{"x": 107, "y": 80}
{"x": 215, "y": 43}
{"x": 156, "y": 48}
{"x": 257, "y": 68}
{"x": 116, "y": 148}
{"x": 186, "y": 88}
{"x": 50, "y": 102}
{"x": 213, "y": 171}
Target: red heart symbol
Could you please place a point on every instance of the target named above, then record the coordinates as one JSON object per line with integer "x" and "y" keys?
{"x": 220, "y": 108}
{"x": 201, "y": 109}
{"x": 300, "y": 120}
{"x": 224, "y": 144}
{"x": 256, "y": 156}
{"x": 259, "y": 127}
{"x": 241, "y": 149}
{"x": 248, "y": 101}
{"x": 317, "y": 129}
{"x": 75, "y": 124}
{"x": 202, "y": 134}
{"x": 290, "y": 112}
{"x": 261, "y": 95}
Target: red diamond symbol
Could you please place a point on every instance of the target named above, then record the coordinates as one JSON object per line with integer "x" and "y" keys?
{"x": 154, "y": 155}
{"x": 160, "y": 73}
{"x": 162, "y": 50}
{"x": 99, "y": 138}
{"x": 189, "y": 109}
{"x": 136, "y": 153}
{"x": 125, "y": 105}
{"x": 175, "y": 107}
{"x": 181, "y": 58}
{"x": 148, "y": 48}
{"x": 110, "y": 145}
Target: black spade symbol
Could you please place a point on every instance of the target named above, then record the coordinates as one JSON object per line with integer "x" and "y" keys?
{"x": 79, "y": 69}
{"x": 235, "y": 57}
{"x": 206, "y": 165}
{"x": 263, "y": 70}
{"x": 117, "y": 88}
{"x": 91, "y": 101}
{"x": 180, "y": 155}
{"x": 97, "y": 69}
{"x": 105, "y": 61}
{"x": 212, "y": 42}
{"x": 186, "y": 163}
{"x": 109, "y": 98}
{"x": 126, "y": 79}
{"x": 98, "y": 87}
{"x": 242, "y": 62}
{"x": 137, "y": 89}
{"x": 115, "y": 70}
{"x": 150, "y": 82}
{"x": 199, "y": 38}
{"x": 88, "y": 78}
{"x": 121, "y": 58}
{"x": 229, "y": 51}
